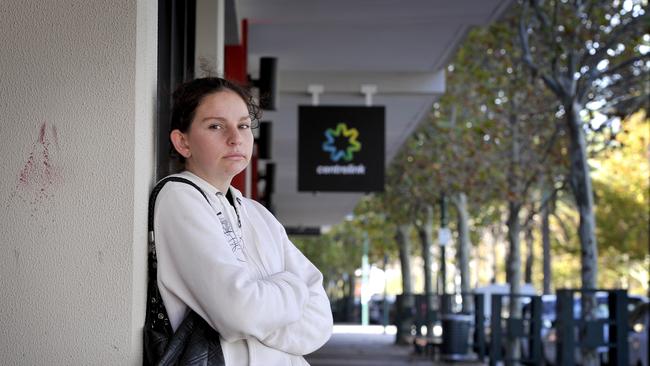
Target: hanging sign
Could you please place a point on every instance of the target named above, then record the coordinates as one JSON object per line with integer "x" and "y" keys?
{"x": 341, "y": 148}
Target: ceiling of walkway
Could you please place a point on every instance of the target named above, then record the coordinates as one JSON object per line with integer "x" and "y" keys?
{"x": 400, "y": 46}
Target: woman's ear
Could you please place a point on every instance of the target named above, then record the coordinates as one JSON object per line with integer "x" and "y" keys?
{"x": 180, "y": 143}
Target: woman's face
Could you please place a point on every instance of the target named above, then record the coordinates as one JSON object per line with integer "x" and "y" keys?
{"x": 219, "y": 143}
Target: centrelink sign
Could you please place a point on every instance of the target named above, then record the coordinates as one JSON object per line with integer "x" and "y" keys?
{"x": 341, "y": 148}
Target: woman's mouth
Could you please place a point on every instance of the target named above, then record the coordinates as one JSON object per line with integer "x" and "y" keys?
{"x": 234, "y": 156}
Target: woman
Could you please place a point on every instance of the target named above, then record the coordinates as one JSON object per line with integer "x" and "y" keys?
{"x": 229, "y": 259}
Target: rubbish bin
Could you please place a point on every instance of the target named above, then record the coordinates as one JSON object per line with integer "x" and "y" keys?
{"x": 455, "y": 336}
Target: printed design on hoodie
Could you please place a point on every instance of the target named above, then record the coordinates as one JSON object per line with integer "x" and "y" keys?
{"x": 235, "y": 241}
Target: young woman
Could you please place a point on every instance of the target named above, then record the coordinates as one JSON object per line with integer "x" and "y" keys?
{"x": 229, "y": 259}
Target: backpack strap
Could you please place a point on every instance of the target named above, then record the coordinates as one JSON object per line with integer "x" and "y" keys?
{"x": 154, "y": 195}
{"x": 156, "y": 316}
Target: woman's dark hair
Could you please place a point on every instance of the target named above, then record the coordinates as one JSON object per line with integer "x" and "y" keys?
{"x": 189, "y": 95}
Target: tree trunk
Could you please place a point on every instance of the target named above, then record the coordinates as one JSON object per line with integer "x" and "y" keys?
{"x": 425, "y": 231}
{"x": 513, "y": 272}
{"x": 460, "y": 201}
{"x": 546, "y": 243}
{"x": 350, "y": 309}
{"x": 406, "y": 303}
{"x": 530, "y": 255}
{"x": 403, "y": 241}
{"x": 496, "y": 235}
{"x": 513, "y": 267}
{"x": 584, "y": 197}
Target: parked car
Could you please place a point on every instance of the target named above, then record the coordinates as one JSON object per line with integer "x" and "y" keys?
{"x": 638, "y": 335}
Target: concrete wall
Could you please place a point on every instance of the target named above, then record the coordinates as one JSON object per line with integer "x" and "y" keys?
{"x": 77, "y": 103}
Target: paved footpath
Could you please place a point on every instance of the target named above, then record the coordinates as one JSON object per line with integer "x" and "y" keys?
{"x": 368, "y": 346}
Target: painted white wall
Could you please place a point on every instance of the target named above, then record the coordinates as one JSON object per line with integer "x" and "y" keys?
{"x": 77, "y": 102}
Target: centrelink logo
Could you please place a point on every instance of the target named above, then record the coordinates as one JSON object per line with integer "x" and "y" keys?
{"x": 336, "y": 154}
{"x": 341, "y": 130}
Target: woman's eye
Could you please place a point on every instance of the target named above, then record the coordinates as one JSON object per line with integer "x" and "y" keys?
{"x": 245, "y": 126}
{"x": 216, "y": 126}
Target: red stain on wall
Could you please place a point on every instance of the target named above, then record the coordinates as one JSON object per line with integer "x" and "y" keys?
{"x": 38, "y": 174}
{"x": 41, "y": 135}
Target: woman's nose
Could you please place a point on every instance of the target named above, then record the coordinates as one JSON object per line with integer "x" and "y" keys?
{"x": 234, "y": 137}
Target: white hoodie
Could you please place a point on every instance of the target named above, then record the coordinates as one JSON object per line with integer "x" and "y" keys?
{"x": 250, "y": 283}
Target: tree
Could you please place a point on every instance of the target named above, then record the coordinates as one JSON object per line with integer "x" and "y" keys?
{"x": 396, "y": 204}
{"x": 336, "y": 254}
{"x": 446, "y": 159}
{"x": 516, "y": 115}
{"x": 548, "y": 208}
{"x": 587, "y": 52}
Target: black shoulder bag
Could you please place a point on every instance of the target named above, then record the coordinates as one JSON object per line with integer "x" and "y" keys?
{"x": 195, "y": 342}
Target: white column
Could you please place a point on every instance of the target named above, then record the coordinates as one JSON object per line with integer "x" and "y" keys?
{"x": 77, "y": 104}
